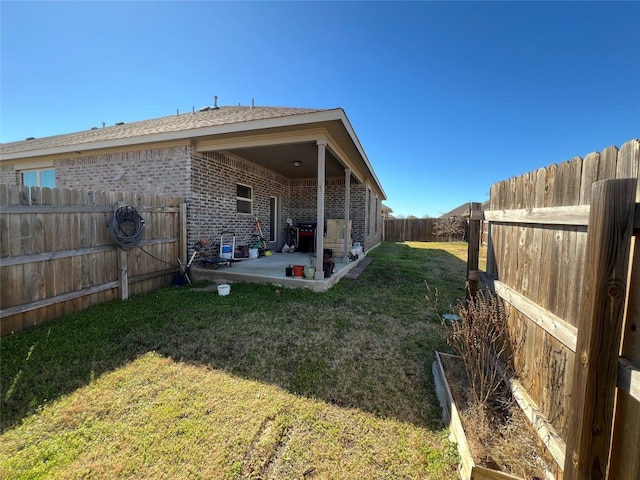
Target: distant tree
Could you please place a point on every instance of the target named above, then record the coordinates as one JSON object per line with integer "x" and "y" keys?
{"x": 450, "y": 226}
{"x": 412, "y": 217}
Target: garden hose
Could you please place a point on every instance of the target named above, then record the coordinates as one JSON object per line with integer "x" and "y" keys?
{"x": 126, "y": 228}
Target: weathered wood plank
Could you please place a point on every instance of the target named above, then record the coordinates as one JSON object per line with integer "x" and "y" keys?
{"x": 7, "y": 312}
{"x": 550, "y": 323}
{"x": 598, "y": 343}
{"x": 627, "y": 165}
{"x": 479, "y": 472}
{"x": 607, "y": 165}
{"x": 452, "y": 417}
{"x": 625, "y": 462}
{"x": 629, "y": 378}
{"x": 576, "y": 215}
{"x": 54, "y": 255}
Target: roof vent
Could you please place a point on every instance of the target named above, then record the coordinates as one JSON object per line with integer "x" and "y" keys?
{"x": 94, "y": 128}
{"x": 215, "y": 102}
{"x": 120, "y": 123}
{"x": 30, "y": 138}
{"x": 205, "y": 109}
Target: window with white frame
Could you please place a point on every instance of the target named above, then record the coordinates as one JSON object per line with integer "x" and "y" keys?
{"x": 42, "y": 177}
{"x": 244, "y": 198}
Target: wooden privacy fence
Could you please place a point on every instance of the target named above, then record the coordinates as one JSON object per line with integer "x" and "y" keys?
{"x": 56, "y": 255}
{"x": 411, "y": 230}
{"x": 563, "y": 252}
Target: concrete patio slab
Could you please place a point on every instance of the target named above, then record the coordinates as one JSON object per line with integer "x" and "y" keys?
{"x": 271, "y": 269}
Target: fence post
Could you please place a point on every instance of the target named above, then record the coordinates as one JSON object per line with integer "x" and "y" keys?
{"x": 601, "y": 315}
{"x": 123, "y": 274}
{"x": 473, "y": 249}
{"x": 183, "y": 233}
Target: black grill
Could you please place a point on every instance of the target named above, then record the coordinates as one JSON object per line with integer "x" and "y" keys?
{"x": 307, "y": 237}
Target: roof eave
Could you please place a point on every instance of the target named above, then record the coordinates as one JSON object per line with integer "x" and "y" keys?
{"x": 239, "y": 127}
{"x": 356, "y": 141}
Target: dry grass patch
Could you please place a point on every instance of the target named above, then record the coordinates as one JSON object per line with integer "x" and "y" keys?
{"x": 157, "y": 418}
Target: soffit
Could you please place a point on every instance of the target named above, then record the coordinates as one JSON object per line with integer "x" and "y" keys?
{"x": 277, "y": 149}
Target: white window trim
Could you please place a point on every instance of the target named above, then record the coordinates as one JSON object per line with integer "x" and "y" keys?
{"x": 38, "y": 172}
{"x": 245, "y": 199}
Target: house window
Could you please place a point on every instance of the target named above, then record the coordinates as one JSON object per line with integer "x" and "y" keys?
{"x": 38, "y": 178}
{"x": 244, "y": 197}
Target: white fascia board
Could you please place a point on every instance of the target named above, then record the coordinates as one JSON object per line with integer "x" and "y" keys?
{"x": 81, "y": 148}
{"x": 26, "y": 164}
{"x": 358, "y": 145}
{"x": 262, "y": 140}
{"x": 342, "y": 157}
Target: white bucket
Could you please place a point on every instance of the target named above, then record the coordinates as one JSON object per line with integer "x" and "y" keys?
{"x": 224, "y": 290}
{"x": 253, "y": 253}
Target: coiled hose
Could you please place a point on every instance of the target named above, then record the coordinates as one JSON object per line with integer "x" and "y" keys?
{"x": 126, "y": 228}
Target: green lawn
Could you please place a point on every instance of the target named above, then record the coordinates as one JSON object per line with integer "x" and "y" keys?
{"x": 263, "y": 383}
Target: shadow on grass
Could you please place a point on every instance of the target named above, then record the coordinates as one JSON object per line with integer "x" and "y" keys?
{"x": 366, "y": 344}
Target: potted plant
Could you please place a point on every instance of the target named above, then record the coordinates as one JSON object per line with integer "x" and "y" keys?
{"x": 310, "y": 269}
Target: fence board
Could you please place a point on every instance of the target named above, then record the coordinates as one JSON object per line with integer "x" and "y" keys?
{"x": 608, "y": 163}
{"x": 593, "y": 391}
{"x": 625, "y": 456}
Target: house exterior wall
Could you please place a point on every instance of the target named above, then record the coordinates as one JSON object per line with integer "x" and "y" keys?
{"x": 9, "y": 175}
{"x": 303, "y": 202}
{"x": 208, "y": 183}
{"x": 365, "y": 226}
{"x": 212, "y": 204}
{"x": 163, "y": 170}
{"x": 373, "y": 220}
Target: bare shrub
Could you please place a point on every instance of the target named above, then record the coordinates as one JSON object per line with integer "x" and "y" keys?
{"x": 499, "y": 434}
{"x": 450, "y": 227}
{"x": 481, "y": 337}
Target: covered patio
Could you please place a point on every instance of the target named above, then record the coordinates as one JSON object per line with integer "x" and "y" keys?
{"x": 272, "y": 269}
{"x": 313, "y": 170}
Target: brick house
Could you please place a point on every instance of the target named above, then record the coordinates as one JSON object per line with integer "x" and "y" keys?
{"x": 231, "y": 164}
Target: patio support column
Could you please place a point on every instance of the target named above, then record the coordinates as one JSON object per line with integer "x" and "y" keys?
{"x": 347, "y": 206}
{"x": 322, "y": 144}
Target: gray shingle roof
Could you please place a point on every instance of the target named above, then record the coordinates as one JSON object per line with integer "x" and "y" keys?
{"x": 463, "y": 210}
{"x": 173, "y": 123}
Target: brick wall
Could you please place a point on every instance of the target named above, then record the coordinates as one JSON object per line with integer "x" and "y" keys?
{"x": 9, "y": 175}
{"x": 165, "y": 171}
{"x": 362, "y": 207}
{"x": 373, "y": 227}
{"x": 212, "y": 205}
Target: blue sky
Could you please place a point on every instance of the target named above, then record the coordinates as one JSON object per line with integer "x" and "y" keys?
{"x": 446, "y": 98}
